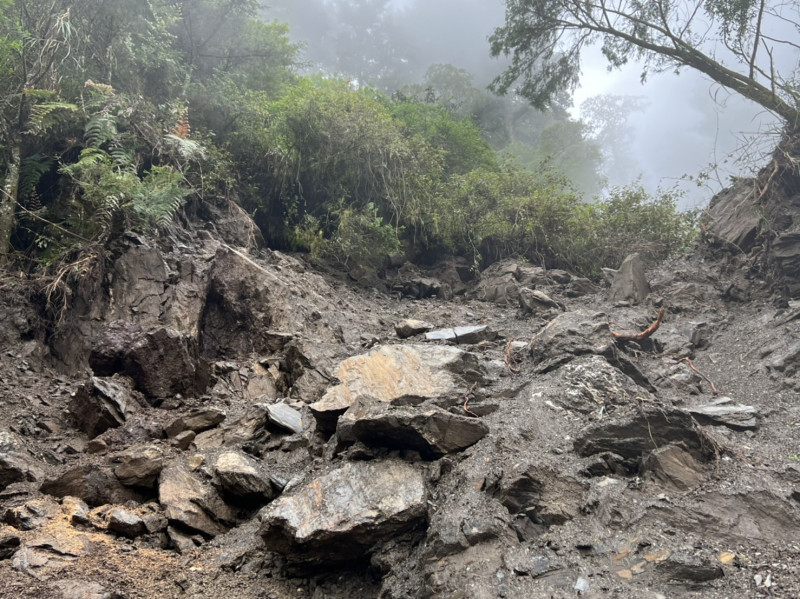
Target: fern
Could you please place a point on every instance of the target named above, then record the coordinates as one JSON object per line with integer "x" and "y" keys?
{"x": 187, "y": 149}
{"x": 48, "y": 115}
{"x": 30, "y": 172}
{"x": 160, "y": 196}
{"x": 100, "y": 129}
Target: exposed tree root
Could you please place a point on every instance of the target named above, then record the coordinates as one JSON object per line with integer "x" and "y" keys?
{"x": 644, "y": 334}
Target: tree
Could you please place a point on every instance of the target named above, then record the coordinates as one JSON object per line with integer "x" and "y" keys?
{"x": 737, "y": 43}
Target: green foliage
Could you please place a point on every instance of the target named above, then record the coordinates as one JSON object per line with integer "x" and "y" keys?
{"x": 48, "y": 115}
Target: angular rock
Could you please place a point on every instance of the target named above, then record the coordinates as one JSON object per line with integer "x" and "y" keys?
{"x": 544, "y": 496}
{"x": 92, "y": 484}
{"x": 397, "y": 374}
{"x": 84, "y": 589}
{"x": 724, "y": 412}
{"x": 733, "y": 218}
{"x": 674, "y": 467}
{"x": 420, "y": 287}
{"x": 352, "y": 507}
{"x": 197, "y": 421}
{"x": 161, "y": 361}
{"x": 285, "y": 417}
{"x": 466, "y": 334}
{"x": 571, "y": 334}
{"x": 139, "y": 278}
{"x": 635, "y": 433}
{"x": 532, "y": 301}
{"x": 32, "y": 514}
{"x": 9, "y": 543}
{"x": 126, "y": 523}
{"x": 139, "y": 466}
{"x": 239, "y": 477}
{"x": 410, "y": 327}
{"x": 688, "y": 569}
{"x": 499, "y": 283}
{"x": 183, "y": 440}
{"x": 101, "y": 404}
{"x": 630, "y": 283}
{"x": 432, "y": 432}
{"x": 190, "y": 503}
{"x": 787, "y": 361}
{"x": 15, "y": 464}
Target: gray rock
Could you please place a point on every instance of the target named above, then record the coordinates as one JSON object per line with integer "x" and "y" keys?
{"x": 410, "y": 327}
{"x": 433, "y": 432}
{"x": 9, "y": 543}
{"x": 787, "y": 361}
{"x": 32, "y": 514}
{"x": 94, "y": 485}
{"x": 397, "y": 374}
{"x": 285, "y": 417}
{"x": 126, "y": 523}
{"x": 674, "y": 467}
{"x": 685, "y": 568}
{"x": 197, "y": 421}
{"x": 139, "y": 466}
{"x": 183, "y": 440}
{"x": 723, "y": 411}
{"x": 532, "y": 301}
{"x": 238, "y": 476}
{"x": 465, "y": 334}
{"x": 16, "y": 468}
{"x": 101, "y": 404}
{"x": 84, "y": 589}
{"x": 733, "y": 218}
{"x": 192, "y": 504}
{"x": 630, "y": 283}
{"x": 352, "y": 507}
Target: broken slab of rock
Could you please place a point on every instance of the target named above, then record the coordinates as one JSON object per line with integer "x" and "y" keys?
{"x": 94, "y": 485}
{"x": 433, "y": 432}
{"x": 674, "y": 468}
{"x": 532, "y": 301}
{"x": 285, "y": 417}
{"x": 724, "y": 412}
{"x": 196, "y": 421}
{"x": 139, "y": 466}
{"x": 397, "y": 374}
{"x": 101, "y": 404}
{"x": 635, "y": 433}
{"x": 410, "y": 327}
{"x": 339, "y": 517}
{"x": 15, "y": 465}
{"x": 239, "y": 477}
{"x": 630, "y": 283}
{"x": 126, "y": 523}
{"x": 191, "y": 503}
{"x": 467, "y": 334}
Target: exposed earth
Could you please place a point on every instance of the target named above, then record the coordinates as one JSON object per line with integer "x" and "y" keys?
{"x": 212, "y": 419}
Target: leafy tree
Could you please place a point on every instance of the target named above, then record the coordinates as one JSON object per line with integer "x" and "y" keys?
{"x": 735, "y": 43}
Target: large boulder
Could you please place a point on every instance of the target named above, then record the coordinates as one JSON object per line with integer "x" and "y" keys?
{"x": 191, "y": 503}
{"x": 432, "y": 431}
{"x": 339, "y": 517}
{"x": 101, "y": 404}
{"x": 630, "y": 283}
{"x": 15, "y": 464}
{"x": 396, "y": 374}
{"x": 92, "y": 484}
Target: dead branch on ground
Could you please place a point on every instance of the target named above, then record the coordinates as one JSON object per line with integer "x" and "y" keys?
{"x": 714, "y": 389}
{"x": 644, "y": 334}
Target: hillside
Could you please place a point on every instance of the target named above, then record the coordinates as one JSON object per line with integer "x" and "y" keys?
{"x": 184, "y": 431}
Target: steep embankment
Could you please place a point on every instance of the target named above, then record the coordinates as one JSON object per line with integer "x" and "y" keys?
{"x": 252, "y": 428}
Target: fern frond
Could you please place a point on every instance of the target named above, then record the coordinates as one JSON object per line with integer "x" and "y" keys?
{"x": 185, "y": 148}
{"x": 47, "y": 115}
{"x": 101, "y": 128}
{"x": 31, "y": 170}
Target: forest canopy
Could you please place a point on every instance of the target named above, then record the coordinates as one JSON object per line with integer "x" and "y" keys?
{"x": 125, "y": 116}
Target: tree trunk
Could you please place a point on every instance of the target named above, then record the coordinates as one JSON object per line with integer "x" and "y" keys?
{"x": 8, "y": 203}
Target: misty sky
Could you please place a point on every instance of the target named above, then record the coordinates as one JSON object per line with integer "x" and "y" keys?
{"x": 681, "y": 132}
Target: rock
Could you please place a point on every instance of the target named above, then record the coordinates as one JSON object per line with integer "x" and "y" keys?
{"x": 32, "y": 514}
{"x": 139, "y": 466}
{"x": 634, "y": 433}
{"x": 182, "y": 542}
{"x": 630, "y": 283}
{"x": 433, "y": 432}
{"x": 688, "y": 569}
{"x": 126, "y": 523}
{"x": 84, "y": 589}
{"x": 92, "y": 484}
{"x": 723, "y": 412}
{"x": 787, "y": 361}
{"x": 410, "y": 327}
{"x": 15, "y": 464}
{"x": 101, "y": 404}
{"x": 76, "y": 511}
{"x": 674, "y": 467}
{"x": 138, "y": 281}
{"x": 499, "y": 283}
{"x": 785, "y": 252}
{"x": 354, "y": 506}
{"x": 190, "y": 503}
{"x": 183, "y": 440}
{"x": 9, "y": 543}
{"x": 543, "y": 495}
{"x": 733, "y": 218}
{"x": 466, "y": 334}
{"x": 580, "y": 286}
{"x": 285, "y": 417}
{"x": 420, "y": 287}
{"x": 533, "y": 301}
{"x": 161, "y": 361}
{"x": 397, "y": 374}
{"x": 196, "y": 421}
{"x": 239, "y": 477}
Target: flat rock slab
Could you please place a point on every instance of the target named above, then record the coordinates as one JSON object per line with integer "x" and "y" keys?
{"x": 433, "y": 432}
{"x": 139, "y": 466}
{"x": 397, "y": 374}
{"x": 238, "y": 476}
{"x": 724, "y": 412}
{"x": 196, "y": 421}
{"x": 101, "y": 404}
{"x": 466, "y": 334}
{"x": 338, "y": 517}
{"x": 94, "y": 485}
{"x": 674, "y": 467}
{"x": 285, "y": 417}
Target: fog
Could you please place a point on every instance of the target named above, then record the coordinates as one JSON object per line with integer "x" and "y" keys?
{"x": 688, "y": 134}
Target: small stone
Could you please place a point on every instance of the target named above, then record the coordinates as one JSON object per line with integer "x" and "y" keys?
{"x": 410, "y": 327}
{"x": 183, "y": 440}
{"x": 197, "y": 421}
{"x": 126, "y": 523}
{"x": 285, "y": 417}
{"x": 723, "y": 411}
